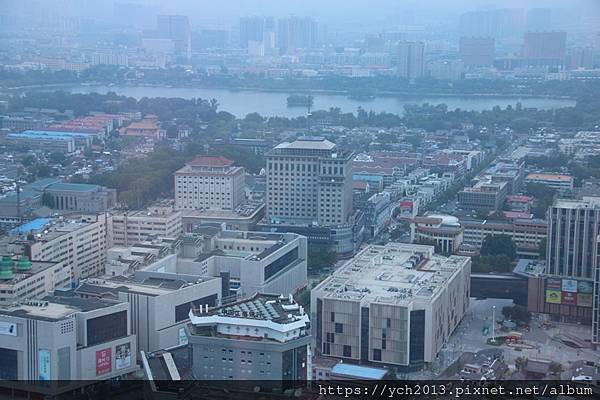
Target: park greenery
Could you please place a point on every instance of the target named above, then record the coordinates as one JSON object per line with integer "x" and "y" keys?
{"x": 497, "y": 254}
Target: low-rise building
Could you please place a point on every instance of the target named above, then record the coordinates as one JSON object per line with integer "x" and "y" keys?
{"x": 67, "y": 339}
{"x": 484, "y": 195}
{"x": 560, "y": 182}
{"x": 390, "y": 305}
{"x": 23, "y": 279}
{"x": 442, "y": 231}
{"x": 244, "y": 217}
{"x": 265, "y": 337}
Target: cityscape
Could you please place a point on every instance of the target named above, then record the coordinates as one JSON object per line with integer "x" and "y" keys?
{"x": 263, "y": 198}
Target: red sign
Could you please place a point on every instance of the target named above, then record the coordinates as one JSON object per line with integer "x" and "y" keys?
{"x": 103, "y": 361}
{"x": 569, "y": 298}
{"x": 554, "y": 284}
{"x": 406, "y": 204}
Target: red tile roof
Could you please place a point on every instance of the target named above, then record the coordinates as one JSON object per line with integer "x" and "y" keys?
{"x": 211, "y": 161}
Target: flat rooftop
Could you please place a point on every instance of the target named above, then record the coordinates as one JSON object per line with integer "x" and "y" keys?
{"x": 549, "y": 177}
{"x": 585, "y": 202}
{"x": 54, "y": 308}
{"x": 36, "y": 268}
{"x": 308, "y": 143}
{"x": 121, "y": 284}
{"x": 243, "y": 211}
{"x": 395, "y": 274}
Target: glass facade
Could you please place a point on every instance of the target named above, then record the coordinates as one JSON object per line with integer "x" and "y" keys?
{"x": 107, "y": 327}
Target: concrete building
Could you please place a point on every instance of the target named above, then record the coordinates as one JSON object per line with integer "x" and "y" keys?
{"x": 23, "y": 279}
{"x": 484, "y": 195}
{"x": 50, "y": 142}
{"x": 562, "y": 183}
{"x": 309, "y": 182}
{"x": 477, "y": 51}
{"x": 209, "y": 182}
{"x": 136, "y": 226}
{"x": 159, "y": 306}
{"x": 67, "y": 339}
{"x": 390, "y": 305}
{"x": 410, "y": 60}
{"x": 443, "y": 231}
{"x": 249, "y": 262}
{"x": 79, "y": 244}
{"x": 544, "y": 48}
{"x": 177, "y": 29}
{"x": 265, "y": 337}
{"x": 527, "y": 234}
{"x": 511, "y": 172}
{"x": 242, "y": 218}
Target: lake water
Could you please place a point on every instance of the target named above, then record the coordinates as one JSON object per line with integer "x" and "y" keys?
{"x": 242, "y": 102}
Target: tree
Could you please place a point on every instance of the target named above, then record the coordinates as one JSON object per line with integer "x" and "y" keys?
{"x": 542, "y": 248}
{"x": 320, "y": 258}
{"x": 555, "y": 368}
{"x": 497, "y": 245}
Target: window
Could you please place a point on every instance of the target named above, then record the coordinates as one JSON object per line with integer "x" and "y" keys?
{"x": 347, "y": 351}
{"x": 339, "y": 328}
{"x": 107, "y": 327}
{"x": 377, "y": 354}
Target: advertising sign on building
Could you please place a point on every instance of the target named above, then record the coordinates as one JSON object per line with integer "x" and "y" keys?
{"x": 554, "y": 284}
{"x": 553, "y": 296}
{"x": 123, "y": 356}
{"x": 584, "y": 299}
{"x": 183, "y": 339}
{"x": 585, "y": 287}
{"x": 103, "y": 361}
{"x": 569, "y": 298}
{"x": 44, "y": 371}
{"x": 569, "y": 285}
{"x": 8, "y": 328}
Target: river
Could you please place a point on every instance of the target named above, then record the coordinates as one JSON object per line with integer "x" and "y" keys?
{"x": 243, "y": 102}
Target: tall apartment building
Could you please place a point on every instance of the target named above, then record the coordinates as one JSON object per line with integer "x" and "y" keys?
{"x": 79, "y": 244}
{"x": 265, "y": 337}
{"x": 254, "y": 29}
{"x": 66, "y": 339}
{"x": 296, "y": 33}
{"x": 177, "y": 29}
{"x": 137, "y": 226}
{"x": 545, "y": 48}
{"x": 410, "y": 60}
{"x": 390, "y": 305}
{"x": 477, "y": 51}
{"x": 209, "y": 182}
{"x": 309, "y": 181}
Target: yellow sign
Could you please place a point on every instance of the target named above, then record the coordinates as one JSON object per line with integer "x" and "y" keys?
{"x": 553, "y": 296}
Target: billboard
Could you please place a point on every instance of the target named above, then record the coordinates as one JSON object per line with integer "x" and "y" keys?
{"x": 569, "y": 285}
{"x": 585, "y": 287}
{"x": 569, "y": 298}
{"x": 584, "y": 299}
{"x": 44, "y": 371}
{"x": 553, "y": 296}
{"x": 183, "y": 339}
{"x": 8, "y": 329}
{"x": 553, "y": 284}
{"x": 123, "y": 356}
{"x": 103, "y": 361}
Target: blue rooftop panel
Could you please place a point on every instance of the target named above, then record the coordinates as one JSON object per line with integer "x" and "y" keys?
{"x": 358, "y": 371}
{"x": 33, "y": 225}
{"x": 56, "y": 133}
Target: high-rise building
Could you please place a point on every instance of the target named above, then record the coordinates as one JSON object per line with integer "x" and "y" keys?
{"x": 477, "y": 51}
{"x": 449, "y": 70}
{"x": 296, "y": 33}
{"x": 581, "y": 58}
{"x": 255, "y": 29}
{"x": 499, "y": 23}
{"x": 410, "y": 60}
{"x": 309, "y": 181}
{"x": 176, "y": 28}
{"x": 544, "y": 48}
{"x": 209, "y": 182}
{"x": 390, "y": 305}
{"x": 539, "y": 19}
{"x": 265, "y": 337}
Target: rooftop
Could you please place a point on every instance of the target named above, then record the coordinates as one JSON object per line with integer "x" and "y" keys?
{"x": 308, "y": 143}
{"x": 53, "y": 308}
{"x": 358, "y": 371}
{"x": 550, "y": 177}
{"x": 211, "y": 161}
{"x": 395, "y": 274}
{"x": 148, "y": 287}
{"x": 20, "y": 275}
